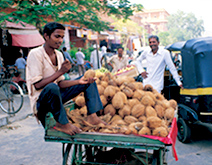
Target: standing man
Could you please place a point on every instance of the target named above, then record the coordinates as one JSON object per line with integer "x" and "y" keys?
{"x": 157, "y": 58}
{"x": 118, "y": 61}
{"x": 80, "y": 61}
{"x": 67, "y": 55}
{"x": 95, "y": 58}
{"x": 20, "y": 63}
{"x": 47, "y": 87}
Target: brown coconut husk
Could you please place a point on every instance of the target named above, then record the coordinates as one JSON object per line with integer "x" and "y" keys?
{"x": 132, "y": 102}
{"x": 169, "y": 113}
{"x": 173, "y": 103}
{"x": 125, "y": 111}
{"x": 154, "y": 122}
{"x": 138, "y": 110}
{"x": 100, "y": 89}
{"x": 109, "y": 92}
{"x": 147, "y": 100}
{"x": 160, "y": 131}
{"x": 138, "y": 85}
{"x": 80, "y": 101}
{"x": 138, "y": 94}
{"x": 145, "y": 131}
{"x": 130, "y": 119}
{"x": 150, "y": 111}
{"x": 110, "y": 109}
{"x": 160, "y": 111}
{"x": 103, "y": 100}
{"x": 89, "y": 74}
{"x": 148, "y": 87}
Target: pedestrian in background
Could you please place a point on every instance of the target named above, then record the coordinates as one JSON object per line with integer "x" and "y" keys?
{"x": 80, "y": 62}
{"x": 95, "y": 58}
{"x": 20, "y": 64}
{"x": 67, "y": 55}
{"x": 119, "y": 60}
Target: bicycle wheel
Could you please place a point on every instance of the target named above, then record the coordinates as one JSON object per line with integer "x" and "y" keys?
{"x": 11, "y": 97}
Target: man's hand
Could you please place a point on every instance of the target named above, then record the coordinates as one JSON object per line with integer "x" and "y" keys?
{"x": 66, "y": 66}
{"x": 87, "y": 81}
{"x": 181, "y": 86}
{"x": 144, "y": 74}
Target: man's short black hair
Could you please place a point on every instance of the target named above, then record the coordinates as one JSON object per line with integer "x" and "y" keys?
{"x": 64, "y": 48}
{"x": 120, "y": 47}
{"x": 154, "y": 36}
{"x": 50, "y": 27}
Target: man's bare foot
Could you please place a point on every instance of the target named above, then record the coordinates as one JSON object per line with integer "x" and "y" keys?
{"x": 94, "y": 119}
{"x": 67, "y": 128}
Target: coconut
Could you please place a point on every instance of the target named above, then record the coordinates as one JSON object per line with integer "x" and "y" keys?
{"x": 147, "y": 100}
{"x": 125, "y": 111}
{"x": 100, "y": 89}
{"x": 173, "y": 103}
{"x": 132, "y": 102}
{"x": 109, "y": 92}
{"x": 80, "y": 101}
{"x": 110, "y": 109}
{"x": 153, "y": 122}
{"x": 144, "y": 131}
{"x": 103, "y": 100}
{"x": 160, "y": 131}
{"x": 138, "y": 110}
{"x": 138, "y": 94}
{"x": 160, "y": 111}
{"x": 169, "y": 113}
{"x": 150, "y": 111}
{"x": 89, "y": 74}
{"x": 148, "y": 87}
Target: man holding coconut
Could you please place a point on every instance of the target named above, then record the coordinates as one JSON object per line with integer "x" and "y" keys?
{"x": 48, "y": 88}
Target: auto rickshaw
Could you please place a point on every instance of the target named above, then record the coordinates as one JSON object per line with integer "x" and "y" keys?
{"x": 195, "y": 100}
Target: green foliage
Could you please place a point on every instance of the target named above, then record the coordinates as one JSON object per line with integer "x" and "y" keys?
{"x": 183, "y": 26}
{"x": 85, "y": 12}
{"x": 164, "y": 38}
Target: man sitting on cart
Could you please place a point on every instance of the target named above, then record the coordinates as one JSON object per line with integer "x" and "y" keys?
{"x": 47, "y": 87}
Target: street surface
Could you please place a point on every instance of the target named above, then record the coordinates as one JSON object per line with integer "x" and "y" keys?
{"x": 22, "y": 143}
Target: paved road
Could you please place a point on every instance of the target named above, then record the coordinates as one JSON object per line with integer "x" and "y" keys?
{"x": 22, "y": 143}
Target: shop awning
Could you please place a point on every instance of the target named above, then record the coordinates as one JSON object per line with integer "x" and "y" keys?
{"x": 26, "y": 38}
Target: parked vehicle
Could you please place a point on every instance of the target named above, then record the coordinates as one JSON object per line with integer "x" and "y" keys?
{"x": 195, "y": 100}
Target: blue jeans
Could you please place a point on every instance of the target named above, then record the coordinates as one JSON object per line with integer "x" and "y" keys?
{"x": 52, "y": 97}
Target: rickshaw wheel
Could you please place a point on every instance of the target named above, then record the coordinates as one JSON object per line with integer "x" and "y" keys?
{"x": 184, "y": 132}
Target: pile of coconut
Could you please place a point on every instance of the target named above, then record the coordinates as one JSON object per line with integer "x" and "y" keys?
{"x": 129, "y": 107}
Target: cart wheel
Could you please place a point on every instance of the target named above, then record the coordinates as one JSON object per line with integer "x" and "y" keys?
{"x": 184, "y": 132}
{"x": 69, "y": 155}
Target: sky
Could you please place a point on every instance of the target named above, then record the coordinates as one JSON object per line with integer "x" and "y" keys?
{"x": 202, "y": 9}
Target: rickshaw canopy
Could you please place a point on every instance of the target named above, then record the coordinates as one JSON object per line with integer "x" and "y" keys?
{"x": 197, "y": 63}
{"x": 177, "y": 46}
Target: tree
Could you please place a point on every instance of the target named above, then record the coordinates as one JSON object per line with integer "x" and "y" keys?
{"x": 127, "y": 28}
{"x": 184, "y": 26}
{"x": 85, "y": 12}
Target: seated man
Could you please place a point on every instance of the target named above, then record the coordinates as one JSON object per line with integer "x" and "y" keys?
{"x": 47, "y": 87}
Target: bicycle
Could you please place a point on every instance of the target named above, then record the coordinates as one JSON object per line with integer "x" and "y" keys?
{"x": 11, "y": 94}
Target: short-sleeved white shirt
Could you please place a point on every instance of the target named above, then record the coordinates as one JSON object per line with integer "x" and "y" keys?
{"x": 39, "y": 66}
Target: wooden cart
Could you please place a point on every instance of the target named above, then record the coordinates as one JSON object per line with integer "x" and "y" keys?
{"x": 83, "y": 148}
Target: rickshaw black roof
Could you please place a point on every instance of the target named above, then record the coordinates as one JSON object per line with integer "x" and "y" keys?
{"x": 177, "y": 46}
{"x": 197, "y": 63}
{"x": 198, "y": 45}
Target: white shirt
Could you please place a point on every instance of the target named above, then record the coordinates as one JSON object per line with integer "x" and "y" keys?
{"x": 80, "y": 57}
{"x": 93, "y": 59}
{"x": 155, "y": 67}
